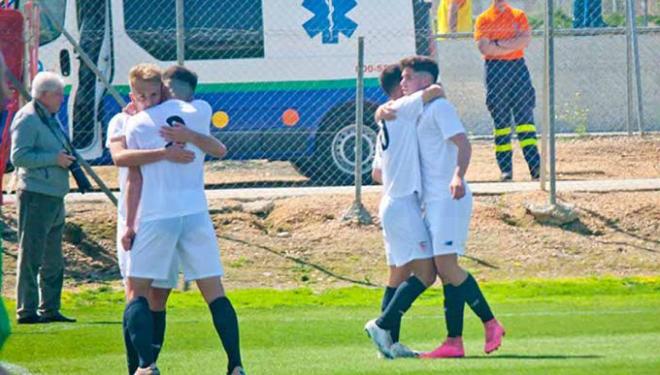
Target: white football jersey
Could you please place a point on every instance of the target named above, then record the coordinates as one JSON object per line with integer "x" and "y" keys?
{"x": 438, "y": 154}
{"x": 170, "y": 189}
{"x": 397, "y": 152}
{"x": 117, "y": 128}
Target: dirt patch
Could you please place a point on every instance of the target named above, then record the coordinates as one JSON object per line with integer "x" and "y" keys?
{"x": 303, "y": 241}
{"x": 578, "y": 158}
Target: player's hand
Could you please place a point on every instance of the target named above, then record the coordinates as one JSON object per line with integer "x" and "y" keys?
{"x": 457, "y": 187}
{"x": 64, "y": 160}
{"x": 128, "y": 238}
{"x": 130, "y": 109}
{"x": 177, "y": 154}
{"x": 385, "y": 112}
{"x": 177, "y": 133}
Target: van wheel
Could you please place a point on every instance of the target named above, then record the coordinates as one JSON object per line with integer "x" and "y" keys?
{"x": 333, "y": 161}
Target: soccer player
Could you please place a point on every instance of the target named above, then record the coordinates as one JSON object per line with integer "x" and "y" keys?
{"x": 444, "y": 156}
{"x": 502, "y": 34}
{"x": 174, "y": 217}
{"x": 407, "y": 242}
{"x": 146, "y": 92}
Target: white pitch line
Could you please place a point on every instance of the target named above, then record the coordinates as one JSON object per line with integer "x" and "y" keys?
{"x": 15, "y": 369}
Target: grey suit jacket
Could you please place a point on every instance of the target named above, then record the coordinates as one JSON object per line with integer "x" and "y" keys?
{"x": 34, "y": 150}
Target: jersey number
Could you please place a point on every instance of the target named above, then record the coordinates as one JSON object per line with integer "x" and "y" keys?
{"x": 384, "y": 137}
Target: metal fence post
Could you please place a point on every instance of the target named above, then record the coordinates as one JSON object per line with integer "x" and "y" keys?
{"x": 638, "y": 77}
{"x": 549, "y": 97}
{"x": 357, "y": 211}
{"x": 629, "y": 67}
{"x": 180, "y": 34}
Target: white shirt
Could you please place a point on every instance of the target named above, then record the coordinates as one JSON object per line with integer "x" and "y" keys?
{"x": 170, "y": 189}
{"x": 397, "y": 152}
{"x": 438, "y": 155}
{"x": 117, "y": 128}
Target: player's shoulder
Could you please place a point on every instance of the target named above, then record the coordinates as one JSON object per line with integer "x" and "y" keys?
{"x": 119, "y": 120}
{"x": 139, "y": 120}
{"x": 440, "y": 104}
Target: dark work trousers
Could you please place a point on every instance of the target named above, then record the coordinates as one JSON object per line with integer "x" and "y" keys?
{"x": 510, "y": 96}
{"x": 40, "y": 262}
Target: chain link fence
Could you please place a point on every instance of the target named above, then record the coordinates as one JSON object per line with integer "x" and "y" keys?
{"x": 280, "y": 77}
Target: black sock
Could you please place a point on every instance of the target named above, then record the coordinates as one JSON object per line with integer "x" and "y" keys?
{"x": 159, "y": 332}
{"x": 475, "y": 299}
{"x": 454, "y": 307}
{"x": 140, "y": 326}
{"x": 226, "y": 324}
{"x": 405, "y": 295}
{"x": 387, "y": 297}
{"x": 131, "y": 355}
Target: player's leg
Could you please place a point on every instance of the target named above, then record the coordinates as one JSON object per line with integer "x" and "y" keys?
{"x": 150, "y": 259}
{"x": 157, "y": 305}
{"x": 138, "y": 320}
{"x": 407, "y": 243}
{"x": 500, "y": 110}
{"x": 448, "y": 222}
{"x": 132, "y": 360}
{"x": 523, "y": 101}
{"x": 200, "y": 257}
{"x": 397, "y": 275}
{"x": 158, "y": 295}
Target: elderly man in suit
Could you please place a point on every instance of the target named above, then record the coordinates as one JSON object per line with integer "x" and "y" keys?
{"x": 37, "y": 151}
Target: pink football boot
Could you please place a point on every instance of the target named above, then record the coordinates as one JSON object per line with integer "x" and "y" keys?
{"x": 494, "y": 334}
{"x": 451, "y": 348}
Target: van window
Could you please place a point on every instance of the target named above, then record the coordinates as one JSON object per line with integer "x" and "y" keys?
{"x": 214, "y": 29}
{"x": 47, "y": 30}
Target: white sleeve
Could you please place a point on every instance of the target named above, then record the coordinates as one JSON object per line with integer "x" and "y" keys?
{"x": 205, "y": 112}
{"x": 410, "y": 107}
{"x": 132, "y": 133}
{"x": 446, "y": 118}
{"x": 115, "y": 128}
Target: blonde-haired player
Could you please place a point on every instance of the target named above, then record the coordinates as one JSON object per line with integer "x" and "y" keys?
{"x": 146, "y": 91}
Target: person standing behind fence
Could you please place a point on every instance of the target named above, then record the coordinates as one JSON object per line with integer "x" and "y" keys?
{"x": 502, "y": 33}
{"x": 43, "y": 181}
{"x": 588, "y": 13}
{"x": 454, "y": 16}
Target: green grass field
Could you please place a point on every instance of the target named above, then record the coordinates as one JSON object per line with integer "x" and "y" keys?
{"x": 586, "y": 326}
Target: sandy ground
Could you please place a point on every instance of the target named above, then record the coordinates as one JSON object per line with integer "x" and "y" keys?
{"x": 304, "y": 242}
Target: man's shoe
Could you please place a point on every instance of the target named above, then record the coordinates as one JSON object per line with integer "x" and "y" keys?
{"x": 238, "y": 371}
{"x": 506, "y": 176}
{"x": 57, "y": 318}
{"x": 151, "y": 370}
{"x": 399, "y": 350}
{"x": 380, "y": 337}
{"x": 30, "y": 319}
{"x": 494, "y": 334}
{"x": 451, "y": 348}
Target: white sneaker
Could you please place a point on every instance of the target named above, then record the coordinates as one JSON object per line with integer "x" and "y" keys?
{"x": 238, "y": 371}
{"x": 399, "y": 350}
{"x": 380, "y": 337}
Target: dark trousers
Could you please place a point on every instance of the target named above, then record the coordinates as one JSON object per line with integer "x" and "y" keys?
{"x": 40, "y": 270}
{"x": 588, "y": 13}
{"x": 511, "y": 96}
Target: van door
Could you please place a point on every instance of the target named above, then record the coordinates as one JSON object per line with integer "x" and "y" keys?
{"x": 88, "y": 22}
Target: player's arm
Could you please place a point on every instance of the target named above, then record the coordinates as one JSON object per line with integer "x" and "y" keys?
{"x": 432, "y": 93}
{"x": 182, "y": 134}
{"x": 133, "y": 194}
{"x": 377, "y": 175}
{"x": 457, "y": 185}
{"x": 125, "y": 157}
{"x": 385, "y": 112}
